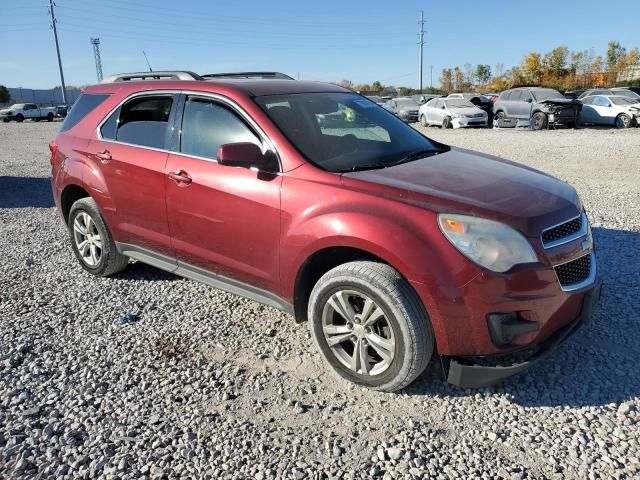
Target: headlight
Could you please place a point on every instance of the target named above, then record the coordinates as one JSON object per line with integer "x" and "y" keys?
{"x": 457, "y": 115}
{"x": 490, "y": 244}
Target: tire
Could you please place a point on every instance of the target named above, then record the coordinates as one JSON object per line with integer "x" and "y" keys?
{"x": 50, "y": 117}
{"x": 101, "y": 259}
{"x": 539, "y": 121}
{"x": 446, "y": 123}
{"x": 19, "y": 118}
{"x": 623, "y": 121}
{"x": 6, "y": 120}
{"x": 423, "y": 121}
{"x": 397, "y": 345}
{"x": 36, "y": 119}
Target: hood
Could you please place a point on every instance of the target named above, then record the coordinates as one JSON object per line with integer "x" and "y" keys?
{"x": 467, "y": 110}
{"x": 408, "y": 108}
{"x": 472, "y": 183}
{"x": 559, "y": 101}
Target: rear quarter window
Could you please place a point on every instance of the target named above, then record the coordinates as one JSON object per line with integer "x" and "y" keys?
{"x": 84, "y": 105}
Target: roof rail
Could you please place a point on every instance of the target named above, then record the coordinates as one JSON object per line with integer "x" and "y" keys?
{"x": 254, "y": 75}
{"x": 161, "y": 75}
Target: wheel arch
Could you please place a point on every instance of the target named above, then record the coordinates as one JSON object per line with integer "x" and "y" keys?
{"x": 70, "y": 195}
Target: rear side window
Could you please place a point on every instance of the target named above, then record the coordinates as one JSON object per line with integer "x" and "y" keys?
{"x": 140, "y": 121}
{"x": 206, "y": 125}
{"x": 84, "y": 105}
{"x": 506, "y": 95}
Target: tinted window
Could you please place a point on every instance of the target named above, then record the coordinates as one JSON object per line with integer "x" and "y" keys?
{"x": 366, "y": 136}
{"x": 622, "y": 101}
{"x": 143, "y": 121}
{"x": 206, "y": 125}
{"x": 588, "y": 100}
{"x": 85, "y": 103}
{"x": 110, "y": 127}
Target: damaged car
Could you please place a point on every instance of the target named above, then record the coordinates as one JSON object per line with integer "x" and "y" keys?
{"x": 622, "y": 112}
{"x": 541, "y": 107}
{"x": 452, "y": 113}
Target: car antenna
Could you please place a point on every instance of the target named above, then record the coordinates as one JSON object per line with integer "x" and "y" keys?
{"x": 148, "y": 64}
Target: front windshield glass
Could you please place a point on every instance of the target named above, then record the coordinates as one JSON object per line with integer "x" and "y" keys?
{"x": 17, "y": 105}
{"x": 622, "y": 101}
{"x": 458, "y": 103}
{"x": 407, "y": 103}
{"x": 541, "y": 95}
{"x": 342, "y": 132}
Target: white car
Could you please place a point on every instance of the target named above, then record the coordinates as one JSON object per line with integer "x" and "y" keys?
{"x": 623, "y": 112}
{"x": 452, "y": 113}
{"x": 22, "y": 111}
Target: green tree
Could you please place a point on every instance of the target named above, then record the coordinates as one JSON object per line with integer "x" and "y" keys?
{"x": 483, "y": 74}
{"x": 4, "y": 95}
{"x": 615, "y": 53}
{"x": 555, "y": 62}
{"x": 377, "y": 86}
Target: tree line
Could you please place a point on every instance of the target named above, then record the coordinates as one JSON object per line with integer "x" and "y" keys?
{"x": 560, "y": 68}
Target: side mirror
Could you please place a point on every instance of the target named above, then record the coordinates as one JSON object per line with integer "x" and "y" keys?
{"x": 245, "y": 155}
{"x": 444, "y": 108}
{"x": 529, "y": 100}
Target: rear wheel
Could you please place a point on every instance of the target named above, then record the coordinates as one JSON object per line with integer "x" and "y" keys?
{"x": 446, "y": 123}
{"x": 539, "y": 121}
{"x": 623, "y": 121}
{"x": 92, "y": 242}
{"x": 6, "y": 120}
{"x": 370, "y": 326}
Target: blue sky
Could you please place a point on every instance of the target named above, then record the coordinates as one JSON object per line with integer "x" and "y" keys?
{"x": 329, "y": 40}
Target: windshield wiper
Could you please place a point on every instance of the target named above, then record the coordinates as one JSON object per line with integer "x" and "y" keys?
{"x": 415, "y": 156}
{"x": 367, "y": 166}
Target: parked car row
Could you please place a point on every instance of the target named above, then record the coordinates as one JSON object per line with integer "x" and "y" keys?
{"x": 535, "y": 107}
{"x": 24, "y": 111}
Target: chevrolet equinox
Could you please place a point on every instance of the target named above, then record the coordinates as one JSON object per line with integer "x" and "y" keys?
{"x": 310, "y": 198}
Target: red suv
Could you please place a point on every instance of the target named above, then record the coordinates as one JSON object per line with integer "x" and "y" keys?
{"x": 310, "y": 198}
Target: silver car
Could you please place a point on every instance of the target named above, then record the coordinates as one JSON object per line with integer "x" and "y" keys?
{"x": 452, "y": 113}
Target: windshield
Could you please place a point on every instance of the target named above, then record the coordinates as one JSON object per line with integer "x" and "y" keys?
{"x": 549, "y": 94}
{"x": 17, "y": 105}
{"x": 407, "y": 103}
{"x": 623, "y": 101}
{"x": 342, "y": 132}
{"x": 458, "y": 103}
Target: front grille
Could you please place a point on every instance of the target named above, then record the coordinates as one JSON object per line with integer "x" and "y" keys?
{"x": 562, "y": 231}
{"x": 574, "y": 272}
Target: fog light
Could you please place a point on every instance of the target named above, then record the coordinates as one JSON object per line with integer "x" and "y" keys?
{"x": 504, "y": 328}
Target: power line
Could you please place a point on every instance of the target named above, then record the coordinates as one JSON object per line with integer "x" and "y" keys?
{"x": 55, "y": 36}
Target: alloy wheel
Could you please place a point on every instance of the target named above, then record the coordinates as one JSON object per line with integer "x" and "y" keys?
{"x": 358, "y": 333}
{"x": 87, "y": 238}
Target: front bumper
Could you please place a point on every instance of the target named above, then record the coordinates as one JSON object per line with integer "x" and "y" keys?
{"x": 465, "y": 372}
{"x": 465, "y": 122}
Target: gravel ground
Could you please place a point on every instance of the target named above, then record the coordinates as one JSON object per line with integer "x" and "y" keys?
{"x": 209, "y": 385}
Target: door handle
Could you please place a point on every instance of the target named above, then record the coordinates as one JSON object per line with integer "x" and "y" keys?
{"x": 181, "y": 177}
{"x": 104, "y": 156}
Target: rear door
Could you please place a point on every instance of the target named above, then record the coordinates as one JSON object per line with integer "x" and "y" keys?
{"x": 224, "y": 220}
{"x": 131, "y": 151}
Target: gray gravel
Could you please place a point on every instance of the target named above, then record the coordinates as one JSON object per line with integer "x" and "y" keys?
{"x": 208, "y": 385}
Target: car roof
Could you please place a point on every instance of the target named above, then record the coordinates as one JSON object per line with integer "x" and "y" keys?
{"x": 250, "y": 87}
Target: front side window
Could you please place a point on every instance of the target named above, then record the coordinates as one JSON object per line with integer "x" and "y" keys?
{"x": 340, "y": 132}
{"x": 140, "y": 121}
{"x": 206, "y": 125}
{"x": 601, "y": 102}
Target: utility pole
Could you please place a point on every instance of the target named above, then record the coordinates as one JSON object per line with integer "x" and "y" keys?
{"x": 55, "y": 35}
{"x": 96, "y": 54}
{"x": 421, "y": 45}
{"x": 431, "y": 66}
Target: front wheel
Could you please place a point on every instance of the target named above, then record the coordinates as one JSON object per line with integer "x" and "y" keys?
{"x": 623, "y": 121}
{"x": 370, "y": 325}
{"x": 446, "y": 123}
{"x": 539, "y": 121}
{"x": 50, "y": 117}
{"x": 423, "y": 121}
{"x": 6, "y": 120}
{"x": 19, "y": 118}
{"x": 91, "y": 240}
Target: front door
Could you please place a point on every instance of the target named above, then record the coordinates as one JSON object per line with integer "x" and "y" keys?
{"x": 132, "y": 155}
{"x": 225, "y": 220}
